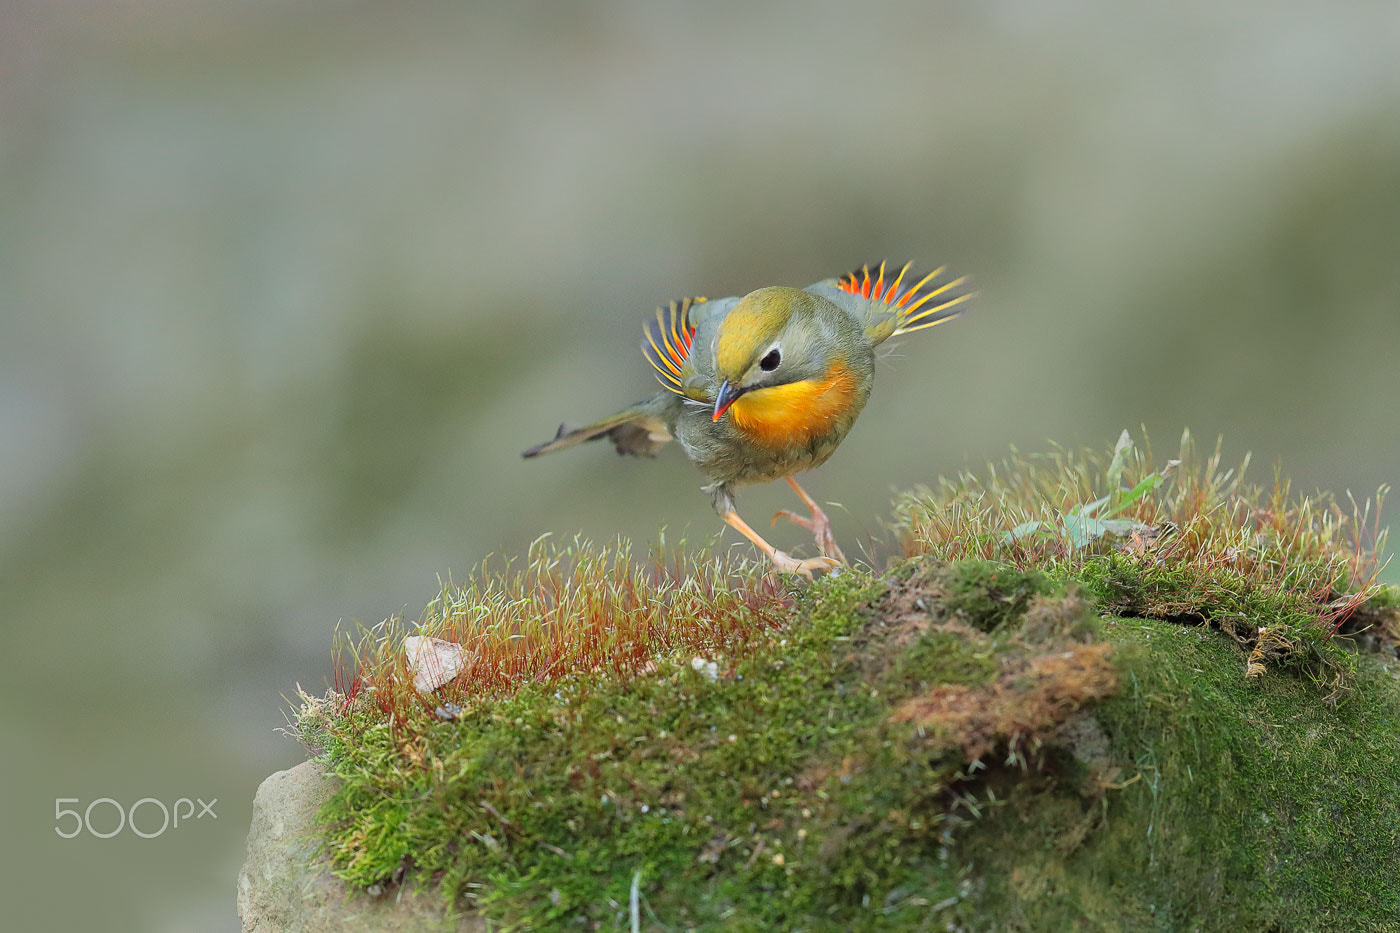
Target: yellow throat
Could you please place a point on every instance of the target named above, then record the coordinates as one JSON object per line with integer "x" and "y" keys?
{"x": 795, "y": 413}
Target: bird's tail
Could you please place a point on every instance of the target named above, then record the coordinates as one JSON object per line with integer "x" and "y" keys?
{"x": 639, "y": 430}
{"x": 899, "y": 307}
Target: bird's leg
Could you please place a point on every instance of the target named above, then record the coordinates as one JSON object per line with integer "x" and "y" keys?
{"x": 781, "y": 562}
{"x": 818, "y": 524}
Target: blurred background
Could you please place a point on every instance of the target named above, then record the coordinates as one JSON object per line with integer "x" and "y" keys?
{"x": 287, "y": 286}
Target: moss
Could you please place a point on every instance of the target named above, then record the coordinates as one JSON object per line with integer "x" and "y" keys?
{"x": 823, "y": 780}
{"x": 989, "y": 594}
{"x": 795, "y": 787}
{"x": 1386, "y": 597}
{"x": 1186, "y": 539}
{"x": 1243, "y": 805}
{"x": 1150, "y": 734}
{"x": 1277, "y": 627}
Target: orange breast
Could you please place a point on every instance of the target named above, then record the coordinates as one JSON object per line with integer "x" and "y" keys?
{"x": 793, "y": 414}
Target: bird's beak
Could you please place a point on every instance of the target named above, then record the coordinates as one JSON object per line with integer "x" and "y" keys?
{"x": 727, "y": 395}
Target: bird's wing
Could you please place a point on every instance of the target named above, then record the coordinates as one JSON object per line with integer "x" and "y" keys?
{"x": 668, "y": 340}
{"x": 889, "y": 303}
{"x": 641, "y": 430}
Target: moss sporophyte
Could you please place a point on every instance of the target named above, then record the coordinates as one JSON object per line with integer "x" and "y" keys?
{"x": 1093, "y": 693}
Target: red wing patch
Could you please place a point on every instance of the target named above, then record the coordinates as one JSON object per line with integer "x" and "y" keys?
{"x": 912, "y": 304}
{"x": 668, "y": 341}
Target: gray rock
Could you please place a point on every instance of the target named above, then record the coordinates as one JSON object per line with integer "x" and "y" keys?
{"x": 283, "y": 888}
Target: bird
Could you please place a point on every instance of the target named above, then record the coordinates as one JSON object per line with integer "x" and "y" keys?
{"x": 766, "y": 385}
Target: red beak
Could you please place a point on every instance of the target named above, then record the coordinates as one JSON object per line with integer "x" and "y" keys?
{"x": 727, "y": 396}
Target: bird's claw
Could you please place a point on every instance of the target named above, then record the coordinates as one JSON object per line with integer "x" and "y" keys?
{"x": 820, "y": 527}
{"x": 794, "y": 518}
{"x": 785, "y": 564}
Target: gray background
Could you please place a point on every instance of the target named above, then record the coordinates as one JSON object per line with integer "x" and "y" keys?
{"x": 287, "y": 286}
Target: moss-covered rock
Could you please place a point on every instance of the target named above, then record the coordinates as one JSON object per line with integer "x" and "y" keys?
{"x": 1173, "y": 708}
{"x": 1232, "y": 804}
{"x": 961, "y": 744}
{"x": 284, "y": 888}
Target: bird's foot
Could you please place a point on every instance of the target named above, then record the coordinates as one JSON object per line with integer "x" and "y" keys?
{"x": 820, "y": 527}
{"x": 785, "y": 564}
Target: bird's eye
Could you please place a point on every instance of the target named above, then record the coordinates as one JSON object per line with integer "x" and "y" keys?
{"x": 771, "y": 361}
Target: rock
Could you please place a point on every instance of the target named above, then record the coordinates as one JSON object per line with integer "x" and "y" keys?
{"x": 433, "y": 661}
{"x": 284, "y": 888}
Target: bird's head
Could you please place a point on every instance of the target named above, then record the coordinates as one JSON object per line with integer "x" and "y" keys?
{"x": 773, "y": 337}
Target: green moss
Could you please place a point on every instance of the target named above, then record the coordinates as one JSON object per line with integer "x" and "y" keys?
{"x": 1186, "y": 539}
{"x": 1046, "y": 733}
{"x": 780, "y": 790}
{"x": 784, "y": 793}
{"x": 1246, "y": 612}
{"x": 1248, "y": 806}
{"x": 990, "y": 594}
{"x": 947, "y": 653}
{"x": 1386, "y": 597}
